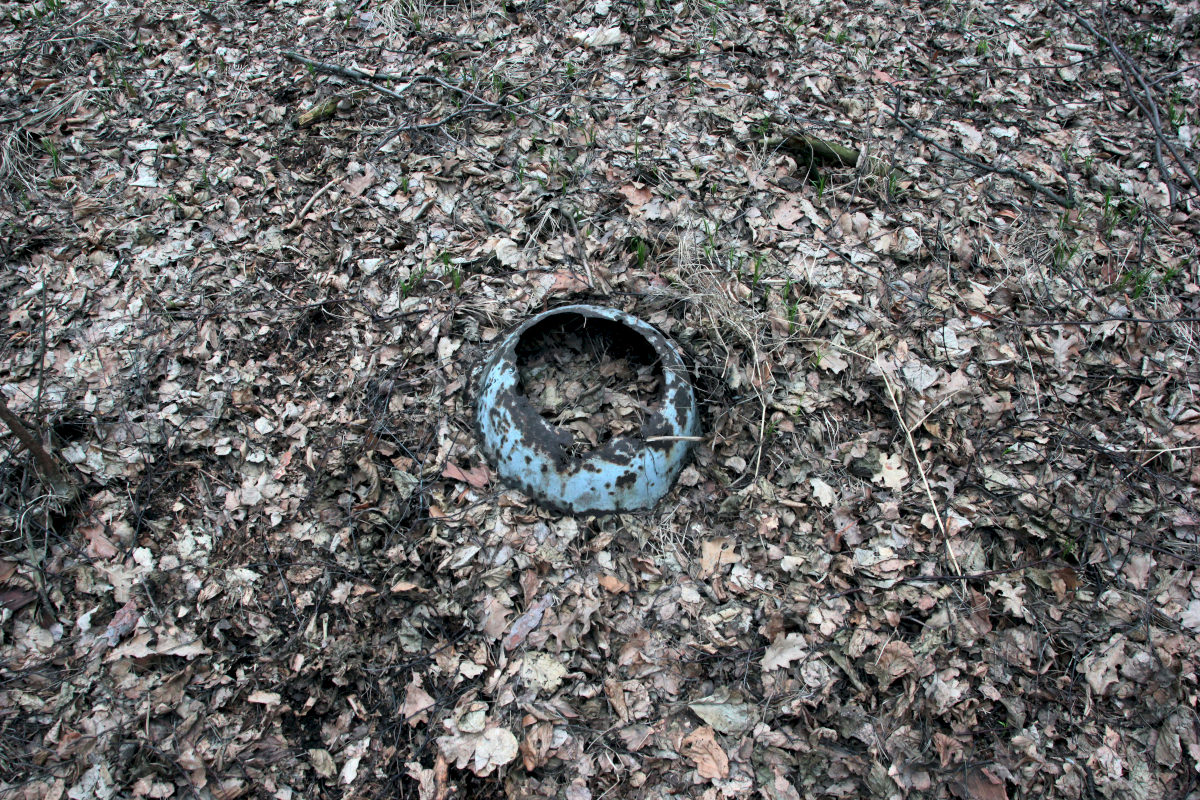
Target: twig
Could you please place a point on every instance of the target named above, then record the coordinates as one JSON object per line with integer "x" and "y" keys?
{"x": 580, "y": 244}
{"x": 1065, "y": 202}
{"x": 1149, "y": 108}
{"x": 342, "y": 72}
{"x": 373, "y": 79}
{"x": 1174, "y": 74}
{"x": 762, "y": 435}
{"x": 424, "y": 127}
{"x": 829, "y": 152}
{"x": 298, "y": 221}
{"x": 920, "y": 469}
{"x": 37, "y": 403}
{"x": 47, "y": 465}
{"x": 491, "y": 226}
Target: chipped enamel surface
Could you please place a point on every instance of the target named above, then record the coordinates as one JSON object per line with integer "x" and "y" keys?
{"x": 627, "y": 473}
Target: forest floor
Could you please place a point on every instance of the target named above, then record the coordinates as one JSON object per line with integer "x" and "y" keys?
{"x": 940, "y": 537}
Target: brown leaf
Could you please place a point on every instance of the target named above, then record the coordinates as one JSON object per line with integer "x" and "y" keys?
{"x": 785, "y": 649}
{"x": 716, "y": 552}
{"x": 616, "y": 696}
{"x": 16, "y": 599}
{"x": 637, "y": 194}
{"x": 98, "y": 544}
{"x": 527, "y": 622}
{"x": 416, "y": 701}
{"x": 167, "y": 696}
{"x": 536, "y": 747}
{"x": 477, "y": 477}
{"x": 786, "y": 215}
{"x": 895, "y": 661}
{"x": 565, "y": 281}
{"x": 614, "y": 584}
{"x": 702, "y": 748}
{"x": 124, "y": 622}
{"x": 357, "y": 185}
{"x": 983, "y": 785}
{"x": 495, "y": 617}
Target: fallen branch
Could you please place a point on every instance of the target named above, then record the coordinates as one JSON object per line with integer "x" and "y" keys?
{"x": 47, "y": 466}
{"x": 349, "y": 73}
{"x": 373, "y": 79}
{"x": 1149, "y": 107}
{"x": 813, "y": 149}
{"x": 299, "y": 220}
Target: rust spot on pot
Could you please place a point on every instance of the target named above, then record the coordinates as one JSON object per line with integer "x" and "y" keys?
{"x": 627, "y": 472}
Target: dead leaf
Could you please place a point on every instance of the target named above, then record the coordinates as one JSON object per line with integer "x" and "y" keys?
{"x": 99, "y": 546}
{"x": 1100, "y": 666}
{"x": 543, "y": 671}
{"x": 715, "y": 553}
{"x": 786, "y": 215}
{"x": 416, "y": 701}
{"x": 983, "y": 785}
{"x": 495, "y": 617}
{"x": 565, "y": 282}
{"x": 16, "y": 599}
{"x": 322, "y": 762}
{"x": 784, "y": 650}
{"x": 892, "y": 474}
{"x": 725, "y": 711}
{"x": 831, "y": 361}
{"x": 895, "y": 660}
{"x": 598, "y": 37}
{"x": 485, "y": 751}
{"x": 972, "y": 139}
{"x": 356, "y": 186}
{"x": 823, "y": 493}
{"x": 702, "y": 748}
{"x": 526, "y": 623}
{"x": 614, "y": 584}
{"x": 125, "y": 620}
{"x": 637, "y": 194}
{"x": 536, "y": 747}
{"x": 476, "y": 476}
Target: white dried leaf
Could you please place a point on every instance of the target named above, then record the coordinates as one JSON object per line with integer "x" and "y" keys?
{"x": 485, "y": 751}
{"x": 823, "y": 493}
{"x": 507, "y": 252}
{"x": 322, "y": 762}
{"x": 831, "y": 361}
{"x": 972, "y": 139}
{"x": 146, "y": 178}
{"x": 1100, "y": 667}
{"x": 892, "y": 473}
{"x": 919, "y": 376}
{"x": 543, "y": 671}
{"x": 598, "y": 37}
{"x": 784, "y": 650}
{"x": 1190, "y": 618}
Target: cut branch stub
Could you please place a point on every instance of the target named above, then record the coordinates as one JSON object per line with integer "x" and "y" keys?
{"x": 815, "y": 150}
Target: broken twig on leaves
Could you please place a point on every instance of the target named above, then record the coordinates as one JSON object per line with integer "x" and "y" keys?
{"x": 47, "y": 466}
{"x": 1065, "y": 202}
{"x": 1145, "y": 104}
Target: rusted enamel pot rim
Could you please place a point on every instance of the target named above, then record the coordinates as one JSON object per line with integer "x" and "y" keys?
{"x": 628, "y": 473}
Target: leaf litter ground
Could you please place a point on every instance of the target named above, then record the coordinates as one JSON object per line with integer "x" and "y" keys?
{"x": 940, "y": 537}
